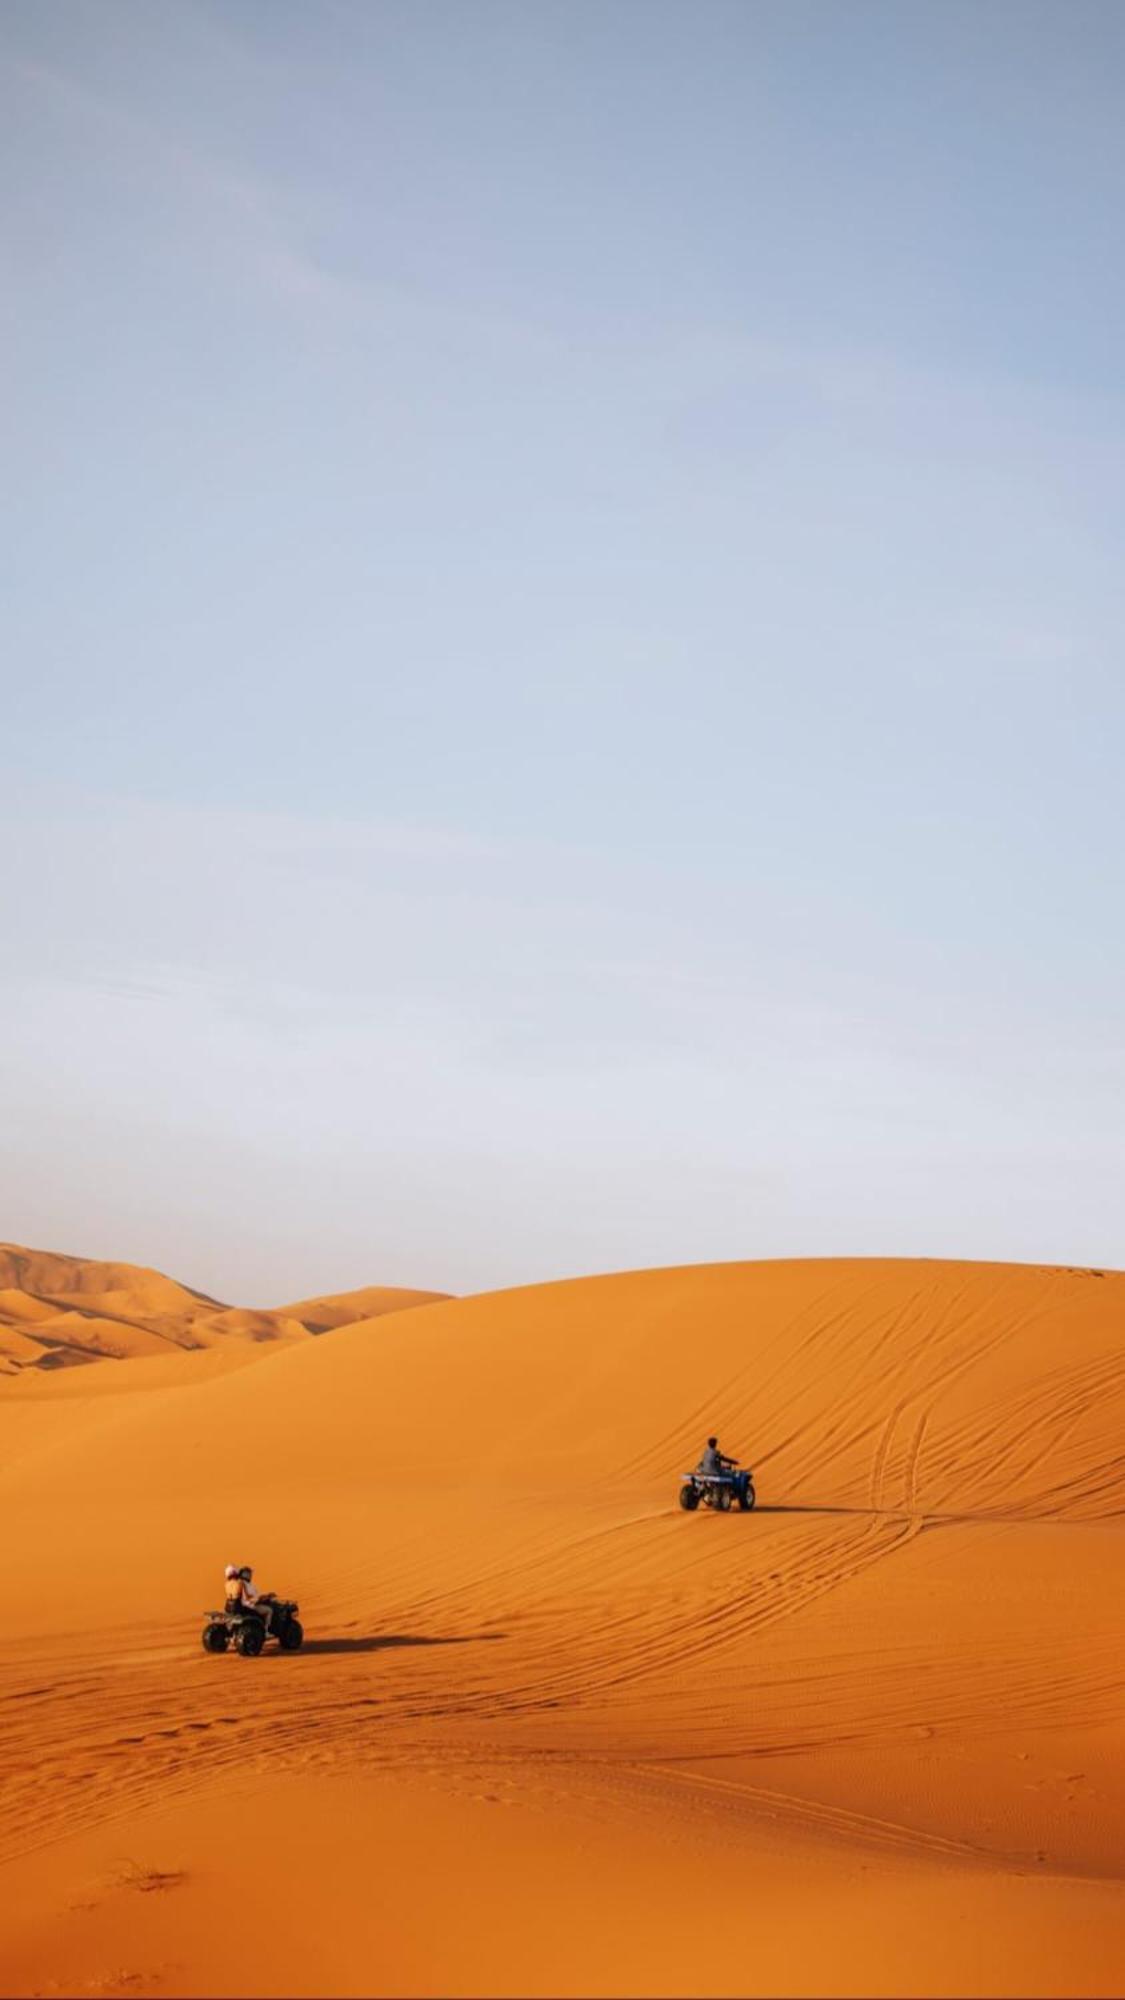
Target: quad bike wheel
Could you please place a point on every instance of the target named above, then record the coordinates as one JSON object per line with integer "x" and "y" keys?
{"x": 216, "y": 1638}
{"x": 291, "y": 1635}
{"x": 250, "y": 1640}
{"x": 746, "y": 1499}
{"x": 689, "y": 1499}
{"x": 722, "y": 1499}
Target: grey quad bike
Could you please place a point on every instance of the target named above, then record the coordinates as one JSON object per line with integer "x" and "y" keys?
{"x": 247, "y": 1631}
{"x": 718, "y": 1490}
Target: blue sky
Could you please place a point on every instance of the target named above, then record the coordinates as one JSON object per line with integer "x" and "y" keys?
{"x": 563, "y": 634}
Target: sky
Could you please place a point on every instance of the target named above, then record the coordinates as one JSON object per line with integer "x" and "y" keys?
{"x": 562, "y": 669}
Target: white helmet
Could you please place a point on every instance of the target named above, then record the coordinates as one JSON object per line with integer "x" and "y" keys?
{"x": 231, "y": 1570}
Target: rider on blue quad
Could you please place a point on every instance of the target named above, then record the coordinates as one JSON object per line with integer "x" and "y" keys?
{"x": 716, "y": 1465}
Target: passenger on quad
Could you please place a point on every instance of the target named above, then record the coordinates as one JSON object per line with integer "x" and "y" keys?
{"x": 249, "y": 1617}
{"x": 243, "y": 1597}
{"x": 241, "y": 1594}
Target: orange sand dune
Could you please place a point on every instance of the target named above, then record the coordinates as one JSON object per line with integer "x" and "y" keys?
{"x": 549, "y": 1733}
{"x": 23, "y": 1308}
{"x": 58, "y": 1311}
{"x": 370, "y": 1302}
{"x": 49, "y": 1274}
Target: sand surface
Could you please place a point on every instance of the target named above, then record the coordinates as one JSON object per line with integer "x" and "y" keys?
{"x": 60, "y": 1312}
{"x": 550, "y": 1734}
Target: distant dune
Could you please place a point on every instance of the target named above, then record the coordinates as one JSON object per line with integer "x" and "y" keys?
{"x": 59, "y": 1312}
{"x": 342, "y": 1308}
{"x": 549, "y": 1733}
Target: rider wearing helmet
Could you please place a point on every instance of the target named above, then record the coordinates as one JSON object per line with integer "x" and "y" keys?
{"x": 241, "y": 1594}
{"x": 243, "y": 1599}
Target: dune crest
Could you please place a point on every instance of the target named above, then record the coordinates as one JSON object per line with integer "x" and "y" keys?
{"x": 58, "y": 1311}
{"x": 321, "y": 1315}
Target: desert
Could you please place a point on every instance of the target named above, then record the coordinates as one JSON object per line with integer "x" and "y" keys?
{"x": 562, "y": 1079}
{"x": 548, "y": 1732}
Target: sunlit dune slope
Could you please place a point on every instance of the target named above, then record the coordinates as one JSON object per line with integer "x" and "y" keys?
{"x": 893, "y": 1694}
{"x": 900, "y": 1390}
{"x": 57, "y": 1312}
{"x": 904, "y": 1387}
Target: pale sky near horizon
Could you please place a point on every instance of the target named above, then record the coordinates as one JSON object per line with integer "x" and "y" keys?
{"x": 563, "y": 634}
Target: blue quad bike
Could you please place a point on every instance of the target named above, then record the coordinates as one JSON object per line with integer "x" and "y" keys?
{"x": 247, "y": 1631}
{"x": 722, "y": 1491}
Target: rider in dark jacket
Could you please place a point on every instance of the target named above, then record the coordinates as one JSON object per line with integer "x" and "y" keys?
{"x": 716, "y": 1465}
{"x": 714, "y": 1462}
